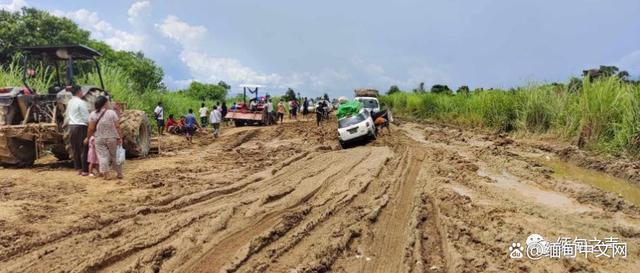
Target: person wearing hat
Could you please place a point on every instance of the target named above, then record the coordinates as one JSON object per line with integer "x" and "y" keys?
{"x": 78, "y": 114}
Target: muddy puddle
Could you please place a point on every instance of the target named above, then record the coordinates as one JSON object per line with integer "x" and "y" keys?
{"x": 507, "y": 181}
{"x": 600, "y": 180}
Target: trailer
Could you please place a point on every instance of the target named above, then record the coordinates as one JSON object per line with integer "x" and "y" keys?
{"x": 245, "y": 114}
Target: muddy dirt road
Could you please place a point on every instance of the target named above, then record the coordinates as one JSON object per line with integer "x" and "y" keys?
{"x": 426, "y": 198}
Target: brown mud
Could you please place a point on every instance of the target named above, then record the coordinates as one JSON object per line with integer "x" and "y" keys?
{"x": 426, "y": 198}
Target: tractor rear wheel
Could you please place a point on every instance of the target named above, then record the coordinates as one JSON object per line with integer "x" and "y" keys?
{"x": 14, "y": 151}
{"x": 17, "y": 151}
{"x": 136, "y": 131}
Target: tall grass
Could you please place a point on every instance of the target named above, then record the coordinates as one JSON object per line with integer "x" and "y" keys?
{"x": 119, "y": 86}
{"x": 603, "y": 116}
{"x": 11, "y": 74}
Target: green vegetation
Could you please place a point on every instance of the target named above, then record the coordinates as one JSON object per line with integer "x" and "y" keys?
{"x": 393, "y": 89}
{"x": 205, "y": 91}
{"x": 117, "y": 83}
{"x": 290, "y": 95}
{"x": 602, "y": 115}
{"x": 30, "y": 27}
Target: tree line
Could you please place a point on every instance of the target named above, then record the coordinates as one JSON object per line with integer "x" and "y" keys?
{"x": 33, "y": 27}
{"x": 574, "y": 84}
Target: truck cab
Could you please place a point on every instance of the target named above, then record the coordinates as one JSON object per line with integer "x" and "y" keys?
{"x": 370, "y": 103}
{"x": 368, "y": 98}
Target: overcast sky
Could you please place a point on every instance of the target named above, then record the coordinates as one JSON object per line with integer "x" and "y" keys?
{"x": 334, "y": 46}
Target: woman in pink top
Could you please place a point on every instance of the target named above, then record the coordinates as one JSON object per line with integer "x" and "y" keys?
{"x": 104, "y": 125}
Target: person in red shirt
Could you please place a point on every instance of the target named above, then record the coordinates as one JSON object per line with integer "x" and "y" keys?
{"x": 382, "y": 122}
{"x": 172, "y": 125}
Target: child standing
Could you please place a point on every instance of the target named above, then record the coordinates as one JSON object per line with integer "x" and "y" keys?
{"x": 92, "y": 156}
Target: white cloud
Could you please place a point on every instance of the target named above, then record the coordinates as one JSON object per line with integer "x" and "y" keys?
{"x": 630, "y": 62}
{"x": 138, "y": 7}
{"x": 181, "y": 32}
{"x": 212, "y": 69}
{"x": 14, "y": 5}
{"x": 103, "y": 30}
{"x": 204, "y": 67}
{"x": 179, "y": 84}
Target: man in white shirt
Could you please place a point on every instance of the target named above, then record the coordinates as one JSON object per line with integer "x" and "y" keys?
{"x": 271, "y": 112}
{"x": 203, "y": 115}
{"x": 215, "y": 119}
{"x": 78, "y": 113}
{"x": 159, "y": 113}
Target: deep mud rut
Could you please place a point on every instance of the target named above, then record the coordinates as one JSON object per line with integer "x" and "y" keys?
{"x": 425, "y": 198}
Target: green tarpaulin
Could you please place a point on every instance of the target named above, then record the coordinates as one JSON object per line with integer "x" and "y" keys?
{"x": 348, "y": 108}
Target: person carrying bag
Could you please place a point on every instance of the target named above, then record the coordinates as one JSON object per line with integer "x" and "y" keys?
{"x": 104, "y": 124}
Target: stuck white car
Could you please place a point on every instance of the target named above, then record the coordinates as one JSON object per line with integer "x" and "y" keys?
{"x": 356, "y": 127}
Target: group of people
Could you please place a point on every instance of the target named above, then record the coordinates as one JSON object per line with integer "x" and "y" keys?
{"x": 321, "y": 109}
{"x": 277, "y": 114}
{"x": 188, "y": 124}
{"x": 95, "y": 136}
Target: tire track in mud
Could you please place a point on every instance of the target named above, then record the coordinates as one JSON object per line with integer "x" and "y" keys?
{"x": 336, "y": 203}
{"x": 241, "y": 201}
{"x": 305, "y": 249}
{"x": 402, "y": 233}
{"x": 179, "y": 205}
{"x": 102, "y": 222}
{"x": 68, "y": 242}
{"x": 388, "y": 248}
{"x": 365, "y": 212}
{"x": 311, "y": 200}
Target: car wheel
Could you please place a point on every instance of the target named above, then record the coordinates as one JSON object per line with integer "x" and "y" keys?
{"x": 372, "y": 135}
{"x": 343, "y": 145}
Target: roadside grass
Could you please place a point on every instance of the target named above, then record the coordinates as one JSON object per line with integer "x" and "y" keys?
{"x": 603, "y": 116}
{"x": 119, "y": 86}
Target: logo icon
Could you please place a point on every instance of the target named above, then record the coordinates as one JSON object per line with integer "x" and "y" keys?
{"x": 537, "y": 247}
{"x": 515, "y": 251}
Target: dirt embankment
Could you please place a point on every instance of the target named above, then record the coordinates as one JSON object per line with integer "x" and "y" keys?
{"x": 284, "y": 198}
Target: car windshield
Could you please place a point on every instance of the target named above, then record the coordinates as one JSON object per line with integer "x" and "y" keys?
{"x": 369, "y": 103}
{"x": 348, "y": 121}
